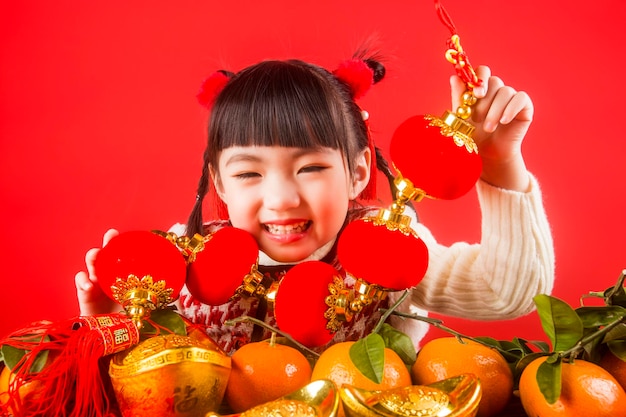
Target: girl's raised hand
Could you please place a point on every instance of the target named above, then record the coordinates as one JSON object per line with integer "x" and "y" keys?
{"x": 502, "y": 116}
{"x": 91, "y": 299}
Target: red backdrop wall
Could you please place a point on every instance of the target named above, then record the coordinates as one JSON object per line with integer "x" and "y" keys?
{"x": 99, "y": 126}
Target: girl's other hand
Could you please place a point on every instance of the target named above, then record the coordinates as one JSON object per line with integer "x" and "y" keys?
{"x": 502, "y": 116}
{"x": 91, "y": 299}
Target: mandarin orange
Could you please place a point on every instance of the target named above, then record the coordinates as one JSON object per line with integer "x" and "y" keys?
{"x": 586, "y": 390}
{"x": 335, "y": 364}
{"x": 446, "y": 357}
{"x": 615, "y": 366}
{"x": 11, "y": 401}
{"x": 265, "y": 371}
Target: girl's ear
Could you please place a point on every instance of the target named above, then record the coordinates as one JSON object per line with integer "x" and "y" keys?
{"x": 361, "y": 174}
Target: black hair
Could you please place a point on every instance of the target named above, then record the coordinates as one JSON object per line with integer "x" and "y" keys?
{"x": 288, "y": 103}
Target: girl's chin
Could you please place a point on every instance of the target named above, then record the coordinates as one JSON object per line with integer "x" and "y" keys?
{"x": 286, "y": 256}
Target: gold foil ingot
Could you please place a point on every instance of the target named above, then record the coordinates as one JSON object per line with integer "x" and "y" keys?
{"x": 453, "y": 397}
{"x": 170, "y": 376}
{"x": 317, "y": 399}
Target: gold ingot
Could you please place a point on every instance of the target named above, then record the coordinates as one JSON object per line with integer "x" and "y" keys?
{"x": 453, "y": 397}
{"x": 316, "y": 399}
{"x": 170, "y": 376}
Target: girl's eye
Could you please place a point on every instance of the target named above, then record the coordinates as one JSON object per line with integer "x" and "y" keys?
{"x": 247, "y": 175}
{"x": 313, "y": 168}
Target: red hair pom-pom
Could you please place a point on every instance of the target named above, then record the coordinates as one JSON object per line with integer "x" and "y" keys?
{"x": 211, "y": 87}
{"x": 391, "y": 259}
{"x": 300, "y": 303}
{"x": 357, "y": 74}
{"x": 219, "y": 269}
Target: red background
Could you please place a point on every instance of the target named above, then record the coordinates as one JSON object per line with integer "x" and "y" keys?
{"x": 99, "y": 126}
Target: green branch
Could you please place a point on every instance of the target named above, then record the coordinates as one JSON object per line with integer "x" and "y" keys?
{"x": 272, "y": 329}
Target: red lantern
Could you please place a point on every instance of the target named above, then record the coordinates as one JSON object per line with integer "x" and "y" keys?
{"x": 439, "y": 158}
{"x": 142, "y": 271}
{"x": 229, "y": 255}
{"x": 300, "y": 307}
{"x": 393, "y": 260}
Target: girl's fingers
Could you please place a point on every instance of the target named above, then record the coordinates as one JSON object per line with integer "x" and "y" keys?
{"x": 110, "y": 234}
{"x": 82, "y": 282}
{"x": 90, "y": 260}
{"x": 483, "y": 73}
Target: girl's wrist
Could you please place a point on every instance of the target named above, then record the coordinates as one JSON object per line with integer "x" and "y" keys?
{"x": 510, "y": 175}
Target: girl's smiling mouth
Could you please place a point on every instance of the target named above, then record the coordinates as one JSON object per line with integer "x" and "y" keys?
{"x": 287, "y": 229}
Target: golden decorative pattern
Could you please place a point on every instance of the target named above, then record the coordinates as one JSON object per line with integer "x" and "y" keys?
{"x": 159, "y": 296}
{"x": 460, "y": 131}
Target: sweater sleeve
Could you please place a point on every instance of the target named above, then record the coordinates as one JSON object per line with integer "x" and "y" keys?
{"x": 498, "y": 278}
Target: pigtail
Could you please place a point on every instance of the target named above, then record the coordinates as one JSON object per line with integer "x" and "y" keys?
{"x": 195, "y": 221}
{"x": 211, "y": 87}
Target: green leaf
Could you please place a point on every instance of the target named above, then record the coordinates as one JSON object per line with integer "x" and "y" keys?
{"x": 616, "y": 295}
{"x": 549, "y": 378}
{"x": 490, "y": 341}
{"x": 12, "y": 355}
{"x": 169, "y": 319}
{"x": 522, "y": 344}
{"x": 618, "y": 348}
{"x": 541, "y": 345}
{"x": 559, "y": 321}
{"x": 398, "y": 342}
{"x": 593, "y": 317}
{"x": 368, "y": 355}
{"x": 616, "y": 333}
{"x": 524, "y": 361}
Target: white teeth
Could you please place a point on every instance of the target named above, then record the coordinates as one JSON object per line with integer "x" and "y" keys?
{"x": 286, "y": 229}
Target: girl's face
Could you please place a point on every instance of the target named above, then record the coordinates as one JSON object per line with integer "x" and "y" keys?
{"x": 292, "y": 200}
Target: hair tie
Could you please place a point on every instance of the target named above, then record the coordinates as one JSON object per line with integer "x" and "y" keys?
{"x": 212, "y": 86}
{"x": 357, "y": 74}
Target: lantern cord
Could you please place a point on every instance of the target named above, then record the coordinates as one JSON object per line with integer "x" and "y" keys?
{"x": 455, "y": 54}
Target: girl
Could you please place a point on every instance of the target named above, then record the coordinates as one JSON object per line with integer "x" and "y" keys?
{"x": 288, "y": 154}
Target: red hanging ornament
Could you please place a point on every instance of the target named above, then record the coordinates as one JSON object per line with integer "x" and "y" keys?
{"x": 56, "y": 366}
{"x": 142, "y": 271}
{"x": 435, "y": 155}
{"x": 300, "y": 303}
{"x": 395, "y": 261}
{"x": 436, "y": 158}
{"x": 226, "y": 261}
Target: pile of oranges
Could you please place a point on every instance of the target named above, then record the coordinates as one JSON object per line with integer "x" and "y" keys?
{"x": 583, "y": 372}
{"x": 265, "y": 371}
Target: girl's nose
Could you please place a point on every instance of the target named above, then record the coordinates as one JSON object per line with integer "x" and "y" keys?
{"x": 280, "y": 194}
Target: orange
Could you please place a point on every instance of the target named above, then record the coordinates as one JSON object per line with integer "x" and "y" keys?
{"x": 25, "y": 391}
{"x": 335, "y": 364}
{"x": 446, "y": 357}
{"x": 265, "y": 371}
{"x": 615, "y": 366}
{"x": 586, "y": 390}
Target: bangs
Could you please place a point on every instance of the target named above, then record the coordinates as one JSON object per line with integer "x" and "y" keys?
{"x": 278, "y": 104}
